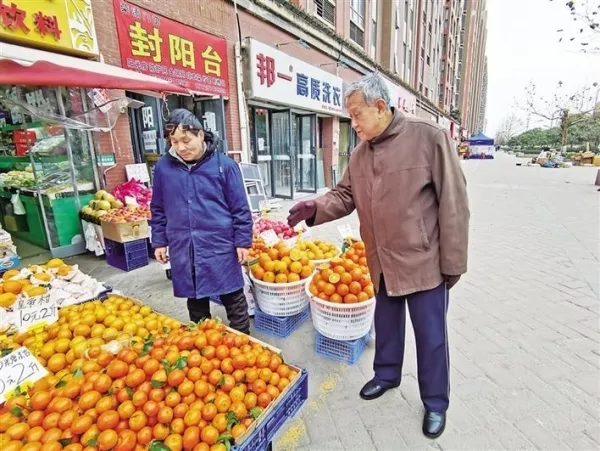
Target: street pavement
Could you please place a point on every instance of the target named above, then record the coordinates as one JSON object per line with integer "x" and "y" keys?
{"x": 523, "y": 328}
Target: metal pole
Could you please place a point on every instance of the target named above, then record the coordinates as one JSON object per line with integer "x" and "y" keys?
{"x": 91, "y": 143}
{"x": 61, "y": 109}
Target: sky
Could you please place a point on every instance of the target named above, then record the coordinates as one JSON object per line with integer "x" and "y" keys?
{"x": 523, "y": 47}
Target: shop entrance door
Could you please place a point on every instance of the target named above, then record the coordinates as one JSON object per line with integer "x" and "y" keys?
{"x": 306, "y": 155}
{"x": 281, "y": 152}
{"x": 348, "y": 141}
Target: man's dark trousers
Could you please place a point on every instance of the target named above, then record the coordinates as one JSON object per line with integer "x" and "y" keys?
{"x": 428, "y": 311}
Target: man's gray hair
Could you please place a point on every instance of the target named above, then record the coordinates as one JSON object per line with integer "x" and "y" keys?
{"x": 372, "y": 86}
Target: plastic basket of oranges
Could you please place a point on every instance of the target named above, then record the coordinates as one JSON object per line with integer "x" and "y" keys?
{"x": 279, "y": 278}
{"x": 342, "y": 299}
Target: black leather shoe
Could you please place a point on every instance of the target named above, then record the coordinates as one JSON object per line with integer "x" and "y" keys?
{"x": 373, "y": 390}
{"x": 434, "y": 424}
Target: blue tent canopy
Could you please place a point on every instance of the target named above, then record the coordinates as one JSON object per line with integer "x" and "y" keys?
{"x": 481, "y": 140}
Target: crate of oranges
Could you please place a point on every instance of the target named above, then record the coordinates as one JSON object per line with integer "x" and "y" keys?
{"x": 342, "y": 296}
{"x": 279, "y": 277}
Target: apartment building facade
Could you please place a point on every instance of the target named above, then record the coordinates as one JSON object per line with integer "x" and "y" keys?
{"x": 450, "y": 64}
{"x": 472, "y": 65}
{"x": 267, "y": 77}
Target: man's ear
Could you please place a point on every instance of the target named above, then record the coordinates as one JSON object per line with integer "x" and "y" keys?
{"x": 381, "y": 106}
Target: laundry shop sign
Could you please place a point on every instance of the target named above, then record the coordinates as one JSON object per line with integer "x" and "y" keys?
{"x": 275, "y": 76}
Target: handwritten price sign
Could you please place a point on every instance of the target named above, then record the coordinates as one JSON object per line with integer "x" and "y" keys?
{"x": 17, "y": 369}
{"x": 34, "y": 311}
{"x": 270, "y": 237}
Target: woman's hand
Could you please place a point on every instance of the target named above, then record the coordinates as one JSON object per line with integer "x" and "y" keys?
{"x": 161, "y": 255}
{"x": 243, "y": 254}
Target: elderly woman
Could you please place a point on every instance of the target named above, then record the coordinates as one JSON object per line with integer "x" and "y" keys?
{"x": 200, "y": 212}
{"x": 406, "y": 182}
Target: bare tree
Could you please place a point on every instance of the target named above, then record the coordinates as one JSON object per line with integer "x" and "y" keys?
{"x": 563, "y": 108}
{"x": 510, "y": 127}
{"x": 585, "y": 27}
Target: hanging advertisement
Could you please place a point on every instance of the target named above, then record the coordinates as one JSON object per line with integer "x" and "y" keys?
{"x": 65, "y": 26}
{"x": 161, "y": 47}
{"x": 276, "y": 77}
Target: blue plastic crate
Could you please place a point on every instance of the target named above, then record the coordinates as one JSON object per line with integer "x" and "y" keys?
{"x": 343, "y": 351}
{"x": 126, "y": 256}
{"x": 276, "y": 326}
{"x": 285, "y": 409}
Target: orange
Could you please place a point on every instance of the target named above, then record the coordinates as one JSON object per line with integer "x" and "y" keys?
{"x": 362, "y": 296}
{"x": 293, "y": 277}
{"x": 107, "y": 440}
{"x": 350, "y": 299}
{"x": 329, "y": 289}
{"x": 10, "y": 274}
{"x": 12, "y": 286}
{"x": 296, "y": 267}
{"x": 258, "y": 272}
{"x": 7, "y": 299}
{"x": 209, "y": 435}
{"x": 355, "y": 287}
{"x": 281, "y": 278}
{"x": 336, "y": 298}
{"x": 174, "y": 442}
{"x": 191, "y": 437}
{"x": 160, "y": 431}
{"x": 108, "y": 420}
{"x": 269, "y": 277}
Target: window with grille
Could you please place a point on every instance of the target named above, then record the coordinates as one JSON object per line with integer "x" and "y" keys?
{"x": 325, "y": 9}
{"x": 357, "y": 21}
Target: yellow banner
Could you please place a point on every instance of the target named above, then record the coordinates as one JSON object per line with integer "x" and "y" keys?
{"x": 65, "y": 26}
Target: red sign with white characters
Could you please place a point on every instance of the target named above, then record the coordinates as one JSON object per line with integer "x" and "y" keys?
{"x": 157, "y": 46}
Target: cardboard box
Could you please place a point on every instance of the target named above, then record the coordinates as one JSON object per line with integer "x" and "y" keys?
{"x": 124, "y": 233}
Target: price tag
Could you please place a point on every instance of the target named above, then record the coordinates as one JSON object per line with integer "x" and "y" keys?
{"x": 36, "y": 311}
{"x": 345, "y": 231}
{"x": 270, "y": 237}
{"x": 18, "y": 369}
{"x": 291, "y": 242}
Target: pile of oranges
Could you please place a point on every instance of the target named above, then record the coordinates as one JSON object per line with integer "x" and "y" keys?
{"x": 82, "y": 327}
{"x": 345, "y": 279}
{"x": 279, "y": 265}
{"x": 258, "y": 247}
{"x": 194, "y": 388}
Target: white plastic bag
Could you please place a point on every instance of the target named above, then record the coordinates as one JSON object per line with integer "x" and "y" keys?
{"x": 18, "y": 207}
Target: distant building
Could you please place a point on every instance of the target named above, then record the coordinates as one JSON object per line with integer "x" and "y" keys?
{"x": 472, "y": 63}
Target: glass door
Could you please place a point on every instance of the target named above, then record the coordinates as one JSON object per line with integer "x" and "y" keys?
{"x": 281, "y": 151}
{"x": 306, "y": 157}
{"x": 348, "y": 141}
{"x": 261, "y": 145}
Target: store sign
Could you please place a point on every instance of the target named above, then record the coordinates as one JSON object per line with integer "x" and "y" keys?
{"x": 276, "y": 77}
{"x": 402, "y": 98}
{"x": 60, "y": 25}
{"x": 444, "y": 122}
{"x": 157, "y": 46}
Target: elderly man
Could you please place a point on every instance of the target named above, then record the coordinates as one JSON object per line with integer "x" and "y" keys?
{"x": 406, "y": 182}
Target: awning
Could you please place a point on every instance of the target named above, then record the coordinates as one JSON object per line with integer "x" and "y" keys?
{"x": 32, "y": 67}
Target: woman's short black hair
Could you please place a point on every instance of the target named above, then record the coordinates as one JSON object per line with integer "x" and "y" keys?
{"x": 186, "y": 119}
